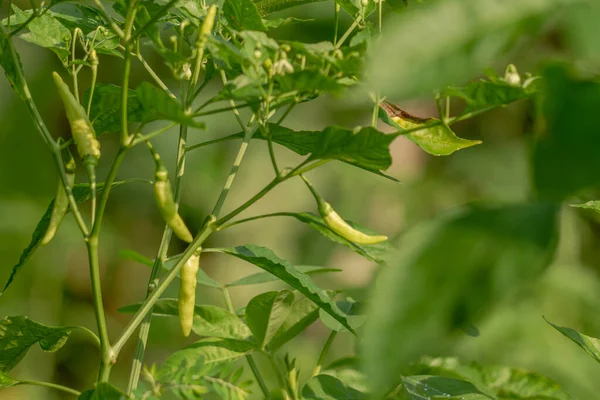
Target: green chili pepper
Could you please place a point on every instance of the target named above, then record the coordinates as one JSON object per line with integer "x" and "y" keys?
{"x": 337, "y": 223}
{"x": 187, "y": 293}
{"x": 165, "y": 201}
{"x": 61, "y": 202}
{"x": 81, "y": 127}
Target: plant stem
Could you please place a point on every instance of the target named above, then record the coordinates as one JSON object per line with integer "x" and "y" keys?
{"x": 337, "y": 22}
{"x": 206, "y": 231}
{"x": 52, "y": 386}
{"x": 155, "y": 17}
{"x": 209, "y": 142}
{"x": 347, "y": 33}
{"x": 324, "y": 352}
{"x": 107, "y": 359}
{"x": 125, "y": 95}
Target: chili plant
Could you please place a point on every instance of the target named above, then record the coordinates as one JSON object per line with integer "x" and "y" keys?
{"x": 230, "y": 43}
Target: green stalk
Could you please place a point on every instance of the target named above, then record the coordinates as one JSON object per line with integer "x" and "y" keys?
{"x": 52, "y": 386}
{"x": 324, "y": 352}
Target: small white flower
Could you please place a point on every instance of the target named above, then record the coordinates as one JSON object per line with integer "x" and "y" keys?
{"x": 283, "y": 67}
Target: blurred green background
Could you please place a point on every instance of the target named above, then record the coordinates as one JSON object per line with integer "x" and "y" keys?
{"x": 53, "y": 288}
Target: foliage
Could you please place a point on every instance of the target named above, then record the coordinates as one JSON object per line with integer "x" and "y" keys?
{"x": 440, "y": 278}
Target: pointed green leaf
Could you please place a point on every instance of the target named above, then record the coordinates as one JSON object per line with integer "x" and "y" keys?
{"x": 137, "y": 257}
{"x": 352, "y": 310}
{"x": 266, "y": 7}
{"x": 264, "y": 277}
{"x": 302, "y": 315}
{"x": 215, "y": 350}
{"x": 105, "y": 113}
{"x": 506, "y": 246}
{"x": 267, "y": 260}
{"x": 103, "y": 391}
{"x": 243, "y": 15}
{"x": 266, "y": 313}
{"x": 158, "y": 105}
{"x": 211, "y": 321}
{"x": 593, "y": 205}
{"x": 425, "y": 387}
{"x": 81, "y": 193}
{"x": 18, "y": 334}
{"x": 589, "y": 344}
{"x": 326, "y": 387}
{"x": 11, "y": 63}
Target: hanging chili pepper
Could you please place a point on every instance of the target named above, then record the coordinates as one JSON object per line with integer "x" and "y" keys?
{"x": 187, "y": 292}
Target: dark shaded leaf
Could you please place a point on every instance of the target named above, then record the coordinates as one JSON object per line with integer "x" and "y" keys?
{"x": 302, "y": 314}
{"x": 103, "y": 391}
{"x": 243, "y": 15}
{"x": 157, "y": 105}
{"x": 326, "y": 387}
{"x": 18, "y": 334}
{"x": 266, "y": 7}
{"x": 425, "y": 387}
{"x": 264, "y": 277}
{"x": 266, "y": 313}
{"x": 105, "y": 113}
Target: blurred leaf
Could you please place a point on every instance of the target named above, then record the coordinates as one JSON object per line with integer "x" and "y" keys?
{"x": 278, "y": 22}
{"x": 266, "y": 313}
{"x": 435, "y": 138}
{"x": 18, "y": 334}
{"x": 217, "y": 350}
{"x": 81, "y": 193}
{"x": 444, "y": 42}
{"x": 565, "y": 157}
{"x": 326, "y": 387}
{"x": 266, "y": 7}
{"x": 267, "y": 260}
{"x": 582, "y": 30}
{"x": 425, "y": 387}
{"x": 303, "y": 314}
{"x": 158, "y": 105}
{"x": 589, "y": 344}
{"x": 504, "y": 382}
{"x": 137, "y": 257}
{"x": 352, "y": 310}
{"x": 243, "y": 15}
{"x": 6, "y": 381}
{"x": 264, "y": 277}
{"x": 491, "y": 251}
{"x": 103, "y": 391}
{"x": 105, "y": 113}
{"x": 397, "y": 5}
{"x": 11, "y": 63}
{"x": 593, "y": 205}
{"x": 373, "y": 252}
{"x": 211, "y": 321}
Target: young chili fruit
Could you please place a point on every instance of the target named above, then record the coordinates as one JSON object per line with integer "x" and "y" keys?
{"x": 61, "y": 202}
{"x": 337, "y": 223}
{"x": 166, "y": 205}
{"x": 187, "y": 293}
{"x": 81, "y": 127}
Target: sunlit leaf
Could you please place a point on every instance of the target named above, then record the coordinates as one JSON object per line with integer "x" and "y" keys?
{"x": 589, "y": 344}
{"x": 216, "y": 350}
{"x": 326, "y": 387}
{"x": 267, "y": 260}
{"x": 266, "y": 313}
{"x": 425, "y": 387}
{"x": 593, "y": 205}
{"x": 18, "y": 334}
{"x": 302, "y": 314}
{"x": 6, "y": 381}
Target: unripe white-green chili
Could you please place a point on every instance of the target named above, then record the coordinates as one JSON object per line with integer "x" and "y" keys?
{"x": 61, "y": 201}
{"x": 337, "y": 223}
{"x": 165, "y": 200}
{"x": 187, "y": 293}
{"x": 83, "y": 133}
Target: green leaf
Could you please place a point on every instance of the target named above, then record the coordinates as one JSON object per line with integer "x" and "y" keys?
{"x": 415, "y": 56}
{"x": 366, "y": 148}
{"x": 266, "y": 313}
{"x": 103, "y": 391}
{"x": 215, "y": 350}
{"x": 18, "y": 334}
{"x": 209, "y": 320}
{"x": 137, "y": 257}
{"x": 352, "y": 310}
{"x": 593, "y": 205}
{"x": 503, "y": 382}
{"x": 105, "y": 113}
{"x": 326, "y": 387}
{"x": 264, "y": 277}
{"x": 481, "y": 254}
{"x": 46, "y": 31}
{"x": 243, "y": 15}
{"x": 6, "y": 381}
{"x": 266, "y": 7}
{"x": 267, "y": 260}
{"x": 397, "y": 5}
{"x": 425, "y": 387}
{"x": 565, "y": 160}
{"x": 435, "y": 138}
{"x": 11, "y": 63}
{"x": 302, "y": 314}
{"x": 158, "y": 105}
{"x": 589, "y": 344}
{"x": 81, "y": 193}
